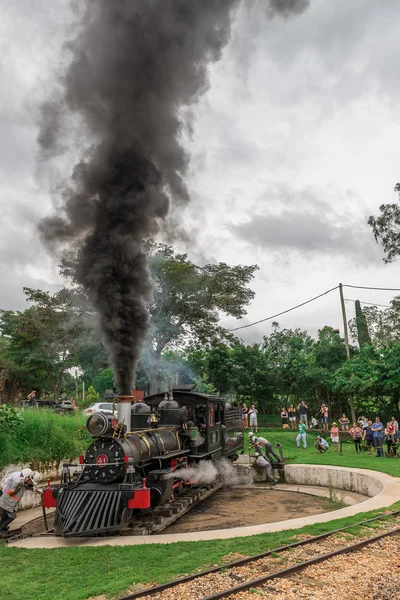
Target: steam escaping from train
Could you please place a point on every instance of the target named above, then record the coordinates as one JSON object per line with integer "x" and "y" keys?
{"x": 207, "y": 471}
{"x": 134, "y": 67}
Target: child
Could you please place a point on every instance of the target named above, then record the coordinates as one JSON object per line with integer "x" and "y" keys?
{"x": 335, "y": 437}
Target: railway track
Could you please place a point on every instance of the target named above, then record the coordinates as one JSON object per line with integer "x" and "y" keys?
{"x": 301, "y": 554}
{"x": 163, "y": 516}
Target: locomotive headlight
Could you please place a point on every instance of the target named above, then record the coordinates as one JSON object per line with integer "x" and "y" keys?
{"x": 98, "y": 424}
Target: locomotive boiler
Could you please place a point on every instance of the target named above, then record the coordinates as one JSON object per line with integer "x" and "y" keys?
{"x": 134, "y": 463}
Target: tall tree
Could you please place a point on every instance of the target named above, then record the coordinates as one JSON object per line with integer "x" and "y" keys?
{"x": 363, "y": 336}
{"x": 43, "y": 340}
{"x": 386, "y": 228}
{"x": 187, "y": 303}
{"x": 383, "y": 325}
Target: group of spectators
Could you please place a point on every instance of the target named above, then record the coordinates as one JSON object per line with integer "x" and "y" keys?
{"x": 364, "y": 432}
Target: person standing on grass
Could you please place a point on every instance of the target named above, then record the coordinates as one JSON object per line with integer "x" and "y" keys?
{"x": 245, "y": 413}
{"x": 302, "y": 436}
{"x": 396, "y": 428}
{"x": 344, "y": 422}
{"x": 377, "y": 428}
{"x": 356, "y": 434}
{"x": 284, "y": 417}
{"x": 253, "y": 421}
{"x": 335, "y": 437}
{"x": 292, "y": 416}
{"x": 390, "y": 439}
{"x": 369, "y": 437}
{"x": 302, "y": 407}
{"x": 321, "y": 445}
{"x": 324, "y": 416}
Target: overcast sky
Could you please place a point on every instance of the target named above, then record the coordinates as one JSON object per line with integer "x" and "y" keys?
{"x": 293, "y": 147}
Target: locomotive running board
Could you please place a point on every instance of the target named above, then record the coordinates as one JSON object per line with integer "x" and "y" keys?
{"x": 167, "y": 514}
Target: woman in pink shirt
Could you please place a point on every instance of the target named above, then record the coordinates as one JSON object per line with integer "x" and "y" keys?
{"x": 357, "y": 435}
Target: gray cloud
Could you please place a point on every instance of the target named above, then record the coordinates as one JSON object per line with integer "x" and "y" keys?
{"x": 301, "y": 222}
{"x": 311, "y": 100}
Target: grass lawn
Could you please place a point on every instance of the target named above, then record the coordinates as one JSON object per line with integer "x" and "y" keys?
{"x": 79, "y": 573}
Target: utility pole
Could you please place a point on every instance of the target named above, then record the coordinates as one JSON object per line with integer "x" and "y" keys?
{"x": 346, "y": 343}
{"x": 346, "y": 334}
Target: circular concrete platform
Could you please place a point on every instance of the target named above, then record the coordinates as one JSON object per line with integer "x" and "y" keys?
{"x": 381, "y": 489}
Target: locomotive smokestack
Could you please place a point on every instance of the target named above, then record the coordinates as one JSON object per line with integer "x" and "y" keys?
{"x": 135, "y": 65}
{"x": 124, "y": 410}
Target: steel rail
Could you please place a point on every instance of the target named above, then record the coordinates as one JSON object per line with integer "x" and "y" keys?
{"x": 300, "y": 566}
{"x": 243, "y": 561}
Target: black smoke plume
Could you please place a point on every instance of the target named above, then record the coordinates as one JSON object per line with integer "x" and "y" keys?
{"x": 134, "y": 66}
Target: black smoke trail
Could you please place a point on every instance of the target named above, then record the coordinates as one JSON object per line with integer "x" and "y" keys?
{"x": 135, "y": 64}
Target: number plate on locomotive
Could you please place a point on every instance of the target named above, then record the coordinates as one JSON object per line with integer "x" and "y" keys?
{"x": 102, "y": 460}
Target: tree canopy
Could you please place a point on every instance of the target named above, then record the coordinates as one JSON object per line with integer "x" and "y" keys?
{"x": 386, "y": 228}
{"x": 188, "y": 301}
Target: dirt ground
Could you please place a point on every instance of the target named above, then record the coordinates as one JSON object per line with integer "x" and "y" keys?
{"x": 36, "y": 526}
{"x": 233, "y": 507}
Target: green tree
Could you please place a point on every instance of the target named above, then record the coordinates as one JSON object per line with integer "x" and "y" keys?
{"x": 289, "y": 358}
{"x": 43, "y": 339}
{"x": 363, "y": 378}
{"x": 363, "y": 336}
{"x": 383, "y": 325}
{"x": 91, "y": 395}
{"x": 187, "y": 303}
{"x": 103, "y": 380}
{"x": 386, "y": 228}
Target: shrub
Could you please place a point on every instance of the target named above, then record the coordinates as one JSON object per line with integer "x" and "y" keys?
{"x": 92, "y": 395}
{"x": 43, "y": 439}
{"x": 9, "y": 417}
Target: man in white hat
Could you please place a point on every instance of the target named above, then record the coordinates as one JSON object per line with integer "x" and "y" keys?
{"x": 12, "y": 496}
{"x": 16, "y": 475}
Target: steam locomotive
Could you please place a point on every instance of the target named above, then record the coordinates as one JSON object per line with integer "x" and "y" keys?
{"x": 132, "y": 464}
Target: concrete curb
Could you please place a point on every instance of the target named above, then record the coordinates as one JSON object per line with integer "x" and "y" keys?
{"x": 385, "y": 487}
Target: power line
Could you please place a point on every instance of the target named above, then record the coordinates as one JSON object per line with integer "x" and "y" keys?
{"x": 286, "y": 311}
{"x": 362, "y": 287}
{"x": 369, "y": 303}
